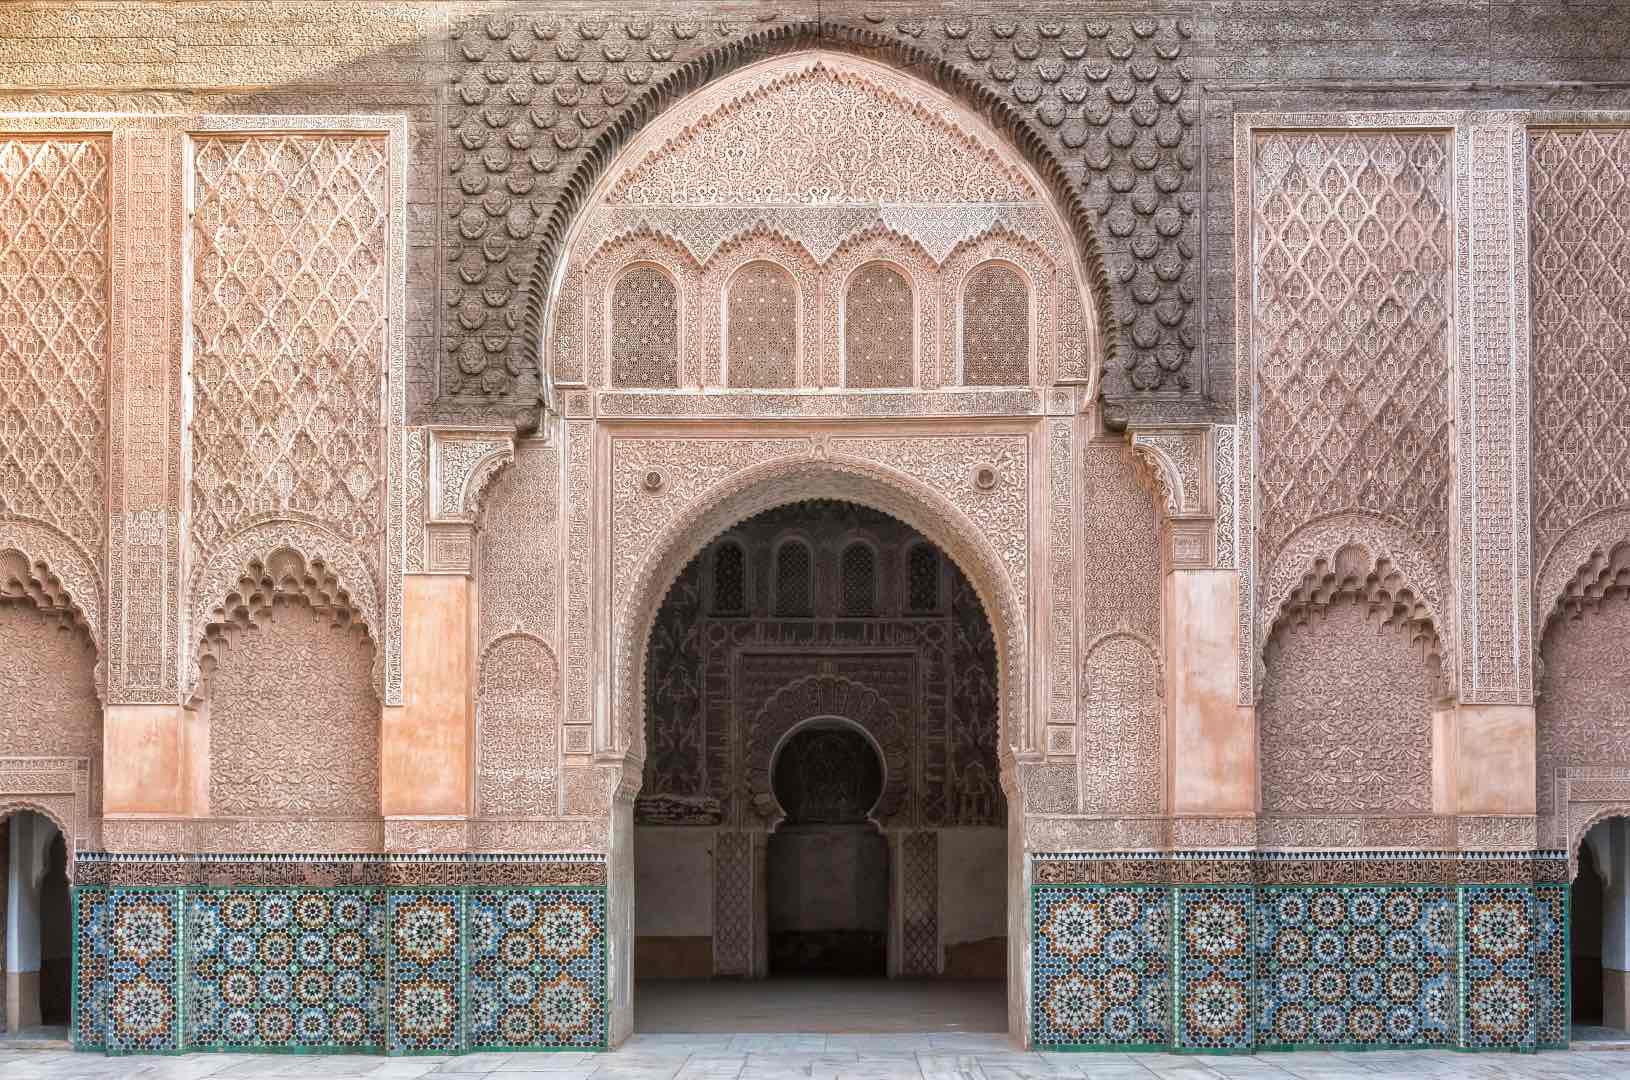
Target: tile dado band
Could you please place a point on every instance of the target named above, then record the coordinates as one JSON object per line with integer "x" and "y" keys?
{"x": 1235, "y": 953}
{"x": 396, "y": 955}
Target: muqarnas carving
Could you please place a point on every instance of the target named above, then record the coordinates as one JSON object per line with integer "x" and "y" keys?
{"x": 1351, "y": 320}
{"x": 1583, "y": 713}
{"x": 1353, "y": 671}
{"x": 294, "y": 717}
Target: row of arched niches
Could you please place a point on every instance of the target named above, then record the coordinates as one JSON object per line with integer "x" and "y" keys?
{"x": 822, "y": 227}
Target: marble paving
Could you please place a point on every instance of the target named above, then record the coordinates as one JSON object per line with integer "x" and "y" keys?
{"x": 828, "y": 1057}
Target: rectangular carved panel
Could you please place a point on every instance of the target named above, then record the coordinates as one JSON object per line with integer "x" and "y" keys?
{"x": 144, "y": 489}
{"x": 289, "y": 331}
{"x": 1350, "y": 321}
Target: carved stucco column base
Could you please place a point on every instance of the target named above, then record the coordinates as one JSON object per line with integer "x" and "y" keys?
{"x": 425, "y": 745}
{"x": 156, "y": 761}
{"x": 1213, "y": 738}
{"x": 1483, "y": 760}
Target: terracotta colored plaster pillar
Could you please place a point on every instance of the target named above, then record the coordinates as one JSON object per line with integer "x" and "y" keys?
{"x": 155, "y": 761}
{"x": 425, "y": 744}
{"x": 1483, "y": 760}
{"x": 1213, "y": 743}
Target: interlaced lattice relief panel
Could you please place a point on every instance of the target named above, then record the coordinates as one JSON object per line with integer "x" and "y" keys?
{"x": 996, "y": 327}
{"x": 878, "y": 343}
{"x": 289, "y": 334}
{"x": 644, "y": 329}
{"x": 762, "y": 327}
{"x": 54, "y": 332}
{"x": 1579, "y": 186}
{"x": 1120, "y": 527}
{"x": 1345, "y": 720}
{"x": 1351, "y": 329}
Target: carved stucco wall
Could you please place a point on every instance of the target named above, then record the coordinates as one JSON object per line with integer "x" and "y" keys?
{"x": 49, "y": 707}
{"x": 1583, "y": 713}
{"x": 290, "y": 300}
{"x": 294, "y": 737}
{"x": 761, "y": 197}
{"x": 1578, "y": 183}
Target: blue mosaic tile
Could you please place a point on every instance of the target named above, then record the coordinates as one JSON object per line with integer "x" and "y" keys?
{"x": 422, "y": 934}
{"x": 1499, "y": 1009}
{"x": 127, "y": 994}
{"x": 285, "y": 969}
{"x": 1102, "y": 966}
{"x": 536, "y": 961}
{"x": 1355, "y": 966}
{"x": 92, "y": 981}
{"x": 1552, "y": 960}
{"x": 1215, "y": 962}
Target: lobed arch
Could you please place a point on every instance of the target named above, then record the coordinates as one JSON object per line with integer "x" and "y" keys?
{"x": 1577, "y": 831}
{"x": 1362, "y": 553}
{"x": 244, "y": 577}
{"x": 1590, "y": 558}
{"x": 57, "y": 574}
{"x": 1002, "y": 125}
{"x": 52, "y": 810}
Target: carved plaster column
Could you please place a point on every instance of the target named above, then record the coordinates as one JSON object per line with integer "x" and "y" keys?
{"x": 155, "y": 750}
{"x": 1484, "y": 744}
{"x": 427, "y": 745}
{"x": 1212, "y": 768}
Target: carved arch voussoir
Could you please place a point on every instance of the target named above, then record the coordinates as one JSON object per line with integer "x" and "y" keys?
{"x": 715, "y": 510}
{"x": 58, "y": 810}
{"x": 1365, "y": 557}
{"x": 799, "y": 36}
{"x": 1589, "y": 561}
{"x": 53, "y": 572}
{"x": 264, "y": 563}
{"x": 817, "y": 696}
{"x": 1148, "y": 644}
{"x": 1578, "y": 832}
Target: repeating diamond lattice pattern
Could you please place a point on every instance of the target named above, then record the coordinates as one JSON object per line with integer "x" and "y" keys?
{"x": 1351, "y": 329}
{"x": 1579, "y": 185}
{"x": 288, "y": 333}
{"x": 53, "y": 331}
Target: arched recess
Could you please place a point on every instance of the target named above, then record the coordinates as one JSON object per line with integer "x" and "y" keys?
{"x": 517, "y": 729}
{"x": 1399, "y": 572}
{"x": 714, "y": 510}
{"x": 819, "y": 697}
{"x": 1353, "y": 669}
{"x": 301, "y": 559}
{"x": 1581, "y": 750}
{"x": 56, "y": 573}
{"x": 554, "y": 234}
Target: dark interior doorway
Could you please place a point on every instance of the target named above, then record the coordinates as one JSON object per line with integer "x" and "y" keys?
{"x": 828, "y": 863}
